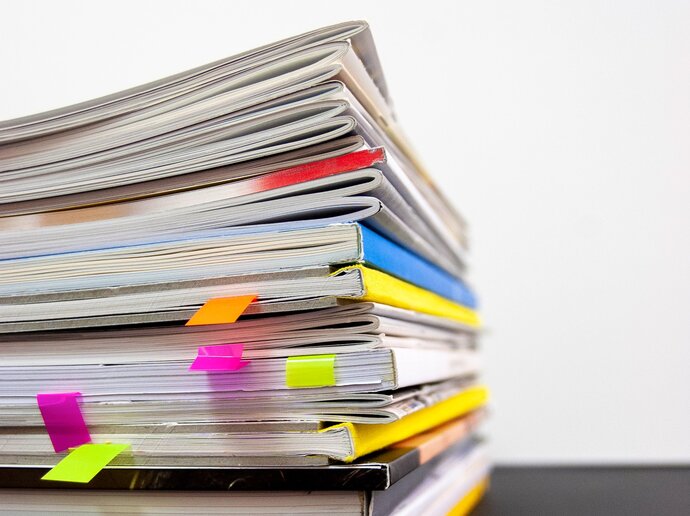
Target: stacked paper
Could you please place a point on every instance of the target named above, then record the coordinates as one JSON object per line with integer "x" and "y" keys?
{"x": 240, "y": 266}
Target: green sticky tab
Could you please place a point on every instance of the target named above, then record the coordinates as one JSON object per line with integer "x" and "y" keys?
{"x": 84, "y": 463}
{"x": 310, "y": 371}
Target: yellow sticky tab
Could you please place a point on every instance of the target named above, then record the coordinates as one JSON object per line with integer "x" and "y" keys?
{"x": 84, "y": 463}
{"x": 221, "y": 310}
{"x": 310, "y": 371}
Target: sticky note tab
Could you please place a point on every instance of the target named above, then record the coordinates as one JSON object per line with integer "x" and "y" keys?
{"x": 310, "y": 371}
{"x": 225, "y": 357}
{"x": 84, "y": 463}
{"x": 63, "y": 419}
{"x": 221, "y": 310}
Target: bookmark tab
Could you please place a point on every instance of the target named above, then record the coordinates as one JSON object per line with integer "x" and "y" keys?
{"x": 225, "y": 357}
{"x": 63, "y": 419}
{"x": 84, "y": 463}
{"x": 221, "y": 310}
{"x": 310, "y": 371}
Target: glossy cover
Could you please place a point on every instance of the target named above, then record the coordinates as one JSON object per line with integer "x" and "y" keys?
{"x": 369, "y": 438}
{"x": 375, "y": 472}
{"x": 383, "y": 288}
{"x": 381, "y": 253}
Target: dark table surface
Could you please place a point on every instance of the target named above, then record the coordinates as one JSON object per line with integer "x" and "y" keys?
{"x": 609, "y": 491}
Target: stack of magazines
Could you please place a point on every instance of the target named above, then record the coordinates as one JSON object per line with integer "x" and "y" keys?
{"x": 237, "y": 290}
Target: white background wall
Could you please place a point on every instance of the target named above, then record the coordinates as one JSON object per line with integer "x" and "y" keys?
{"x": 560, "y": 129}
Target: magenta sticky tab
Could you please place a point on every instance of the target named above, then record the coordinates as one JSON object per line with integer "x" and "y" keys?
{"x": 224, "y": 357}
{"x": 63, "y": 419}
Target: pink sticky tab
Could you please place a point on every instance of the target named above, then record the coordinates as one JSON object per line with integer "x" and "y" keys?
{"x": 225, "y": 357}
{"x": 63, "y": 420}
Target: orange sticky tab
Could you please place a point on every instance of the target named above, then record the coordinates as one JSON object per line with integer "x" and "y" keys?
{"x": 221, "y": 310}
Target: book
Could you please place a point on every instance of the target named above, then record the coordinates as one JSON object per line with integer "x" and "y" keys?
{"x": 357, "y": 371}
{"x": 203, "y": 408}
{"x": 343, "y": 441}
{"x": 318, "y": 287}
{"x": 355, "y": 496}
{"x": 356, "y": 326}
{"x": 376, "y": 472}
{"x": 226, "y": 255}
{"x": 300, "y": 159}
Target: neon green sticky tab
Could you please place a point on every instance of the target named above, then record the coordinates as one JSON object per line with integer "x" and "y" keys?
{"x": 84, "y": 463}
{"x": 310, "y": 371}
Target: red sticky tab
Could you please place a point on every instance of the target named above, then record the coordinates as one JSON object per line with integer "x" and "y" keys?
{"x": 63, "y": 420}
{"x": 221, "y": 310}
